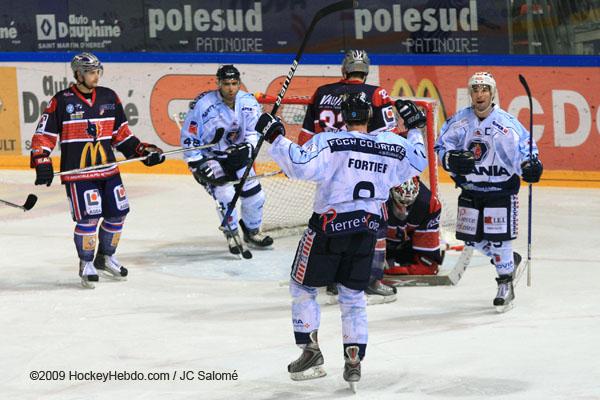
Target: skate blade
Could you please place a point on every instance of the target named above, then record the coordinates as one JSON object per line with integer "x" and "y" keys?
{"x": 311, "y": 373}
{"x": 353, "y": 386}
{"x": 112, "y": 276}
{"x": 374, "y": 299}
{"x": 504, "y": 308}
{"x": 253, "y": 246}
{"x": 87, "y": 284}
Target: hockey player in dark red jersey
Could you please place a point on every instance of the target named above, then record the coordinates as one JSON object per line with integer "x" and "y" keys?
{"x": 88, "y": 120}
{"x": 324, "y": 112}
{"x": 413, "y": 230}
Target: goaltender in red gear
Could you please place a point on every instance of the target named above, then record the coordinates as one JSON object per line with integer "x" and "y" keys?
{"x": 413, "y": 236}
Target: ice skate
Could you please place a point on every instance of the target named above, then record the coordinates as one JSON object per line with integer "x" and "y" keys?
{"x": 255, "y": 238}
{"x": 88, "y": 274}
{"x": 110, "y": 267}
{"x": 231, "y": 237}
{"x": 380, "y": 293}
{"x": 505, "y": 296}
{"x": 310, "y": 363}
{"x": 352, "y": 367}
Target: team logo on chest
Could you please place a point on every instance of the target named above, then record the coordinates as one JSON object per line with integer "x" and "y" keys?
{"x": 94, "y": 129}
{"x": 479, "y": 150}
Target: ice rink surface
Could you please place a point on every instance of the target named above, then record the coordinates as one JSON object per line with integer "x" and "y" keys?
{"x": 189, "y": 305}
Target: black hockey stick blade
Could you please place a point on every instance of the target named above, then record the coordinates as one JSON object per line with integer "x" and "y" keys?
{"x": 30, "y": 202}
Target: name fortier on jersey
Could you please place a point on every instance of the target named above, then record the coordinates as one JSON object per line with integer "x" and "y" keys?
{"x": 353, "y": 171}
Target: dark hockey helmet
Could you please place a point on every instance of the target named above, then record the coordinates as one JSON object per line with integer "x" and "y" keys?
{"x": 228, "y": 72}
{"x": 356, "y": 108}
{"x": 355, "y": 61}
{"x": 406, "y": 193}
{"x": 85, "y": 62}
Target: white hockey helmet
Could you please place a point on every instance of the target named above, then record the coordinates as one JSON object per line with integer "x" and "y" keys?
{"x": 483, "y": 78}
{"x": 355, "y": 61}
{"x": 406, "y": 193}
{"x": 85, "y": 62}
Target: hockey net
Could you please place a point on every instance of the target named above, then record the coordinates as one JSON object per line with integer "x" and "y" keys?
{"x": 289, "y": 202}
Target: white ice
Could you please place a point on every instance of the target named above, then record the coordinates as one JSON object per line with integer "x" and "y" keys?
{"x": 189, "y": 305}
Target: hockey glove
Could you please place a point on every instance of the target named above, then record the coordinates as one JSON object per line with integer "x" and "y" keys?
{"x": 44, "y": 172}
{"x": 532, "y": 170}
{"x": 411, "y": 114}
{"x": 238, "y": 155}
{"x": 206, "y": 171}
{"x": 154, "y": 153}
{"x": 270, "y": 127}
{"x": 459, "y": 162}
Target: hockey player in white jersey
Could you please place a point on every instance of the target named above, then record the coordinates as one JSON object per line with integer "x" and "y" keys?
{"x": 354, "y": 171}
{"x": 236, "y": 112}
{"x": 486, "y": 149}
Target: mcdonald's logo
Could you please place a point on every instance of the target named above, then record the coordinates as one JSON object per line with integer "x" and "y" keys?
{"x": 425, "y": 88}
{"x": 93, "y": 148}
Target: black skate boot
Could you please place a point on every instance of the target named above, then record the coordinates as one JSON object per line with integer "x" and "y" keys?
{"x": 352, "y": 367}
{"x": 88, "y": 274}
{"x": 332, "y": 289}
{"x": 379, "y": 293}
{"x": 110, "y": 267}
{"x": 506, "y": 294}
{"x": 231, "y": 237}
{"x": 255, "y": 238}
{"x": 310, "y": 363}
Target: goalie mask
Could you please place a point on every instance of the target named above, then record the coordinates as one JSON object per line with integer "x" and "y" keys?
{"x": 85, "y": 62}
{"x": 483, "y": 78}
{"x": 228, "y": 72}
{"x": 406, "y": 193}
{"x": 355, "y": 61}
{"x": 356, "y": 108}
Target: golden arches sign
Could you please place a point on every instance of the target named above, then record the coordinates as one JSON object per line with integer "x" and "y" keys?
{"x": 425, "y": 88}
{"x": 93, "y": 148}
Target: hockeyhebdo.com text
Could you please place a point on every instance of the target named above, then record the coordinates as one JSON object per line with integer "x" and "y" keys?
{"x": 114, "y": 375}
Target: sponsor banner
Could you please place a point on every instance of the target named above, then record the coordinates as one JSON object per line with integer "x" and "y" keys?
{"x": 10, "y": 136}
{"x": 253, "y": 26}
{"x": 157, "y": 96}
{"x": 566, "y": 113}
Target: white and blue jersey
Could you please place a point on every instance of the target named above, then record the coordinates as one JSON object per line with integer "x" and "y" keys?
{"x": 354, "y": 171}
{"x": 211, "y": 113}
{"x": 499, "y": 143}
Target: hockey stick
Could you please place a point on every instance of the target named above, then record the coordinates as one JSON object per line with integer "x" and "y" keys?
{"x": 330, "y": 9}
{"x": 526, "y": 86}
{"x": 218, "y": 135}
{"x": 245, "y": 253}
{"x": 255, "y": 177}
{"x": 29, "y": 203}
